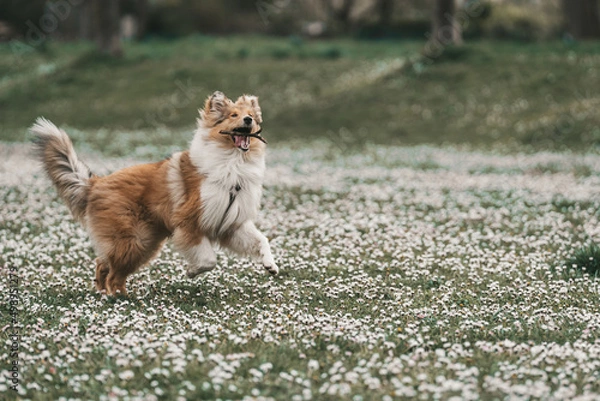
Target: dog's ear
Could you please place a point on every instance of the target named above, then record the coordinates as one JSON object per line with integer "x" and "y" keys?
{"x": 253, "y": 100}
{"x": 215, "y": 108}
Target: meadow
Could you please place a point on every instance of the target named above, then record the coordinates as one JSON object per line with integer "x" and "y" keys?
{"x": 435, "y": 264}
{"x": 517, "y": 96}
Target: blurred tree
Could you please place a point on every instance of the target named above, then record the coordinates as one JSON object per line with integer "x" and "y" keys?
{"x": 582, "y": 18}
{"x": 142, "y": 9}
{"x": 105, "y": 24}
{"x": 85, "y": 31}
{"x": 139, "y": 11}
{"x": 445, "y": 29}
{"x": 385, "y": 11}
{"x": 340, "y": 12}
{"x": 174, "y": 18}
{"x": 21, "y": 15}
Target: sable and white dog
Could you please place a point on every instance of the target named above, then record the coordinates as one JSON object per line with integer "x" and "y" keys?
{"x": 205, "y": 197}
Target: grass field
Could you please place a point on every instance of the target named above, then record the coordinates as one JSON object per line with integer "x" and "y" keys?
{"x": 405, "y": 271}
{"x": 520, "y": 96}
{"x": 441, "y": 271}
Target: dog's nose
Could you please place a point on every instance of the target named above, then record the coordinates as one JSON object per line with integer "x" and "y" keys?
{"x": 248, "y": 120}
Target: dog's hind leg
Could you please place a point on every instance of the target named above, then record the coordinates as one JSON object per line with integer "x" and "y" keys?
{"x": 248, "y": 241}
{"x": 198, "y": 252}
{"x": 126, "y": 257}
{"x": 102, "y": 269}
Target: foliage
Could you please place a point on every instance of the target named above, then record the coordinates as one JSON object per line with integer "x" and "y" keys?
{"x": 20, "y": 15}
{"x": 522, "y": 21}
{"x": 186, "y": 17}
{"x": 585, "y": 260}
{"x": 407, "y": 19}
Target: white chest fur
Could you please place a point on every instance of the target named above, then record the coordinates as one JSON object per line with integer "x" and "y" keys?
{"x": 232, "y": 187}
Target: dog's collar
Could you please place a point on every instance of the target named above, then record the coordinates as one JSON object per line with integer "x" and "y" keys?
{"x": 232, "y": 195}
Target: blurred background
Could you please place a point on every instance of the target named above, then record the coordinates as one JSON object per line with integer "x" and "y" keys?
{"x": 514, "y": 74}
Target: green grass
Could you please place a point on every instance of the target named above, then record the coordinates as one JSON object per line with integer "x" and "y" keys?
{"x": 585, "y": 260}
{"x": 525, "y": 96}
{"x": 404, "y": 272}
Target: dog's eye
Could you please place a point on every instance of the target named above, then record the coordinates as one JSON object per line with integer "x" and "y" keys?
{"x": 234, "y": 115}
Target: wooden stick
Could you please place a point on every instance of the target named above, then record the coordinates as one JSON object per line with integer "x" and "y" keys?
{"x": 254, "y": 135}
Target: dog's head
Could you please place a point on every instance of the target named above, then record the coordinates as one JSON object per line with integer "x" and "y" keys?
{"x": 221, "y": 114}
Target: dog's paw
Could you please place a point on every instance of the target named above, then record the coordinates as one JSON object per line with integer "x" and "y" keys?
{"x": 194, "y": 271}
{"x": 271, "y": 267}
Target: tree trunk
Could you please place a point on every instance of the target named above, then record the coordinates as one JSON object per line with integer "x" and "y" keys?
{"x": 385, "y": 9}
{"x": 86, "y": 22}
{"x": 582, "y": 18}
{"x": 106, "y": 21}
{"x": 445, "y": 29}
{"x": 346, "y": 10}
{"x": 341, "y": 14}
{"x": 142, "y": 16}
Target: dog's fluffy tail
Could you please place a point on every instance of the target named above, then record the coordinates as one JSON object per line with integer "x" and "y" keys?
{"x": 70, "y": 176}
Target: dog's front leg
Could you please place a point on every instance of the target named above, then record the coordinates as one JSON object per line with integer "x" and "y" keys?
{"x": 248, "y": 241}
{"x": 198, "y": 252}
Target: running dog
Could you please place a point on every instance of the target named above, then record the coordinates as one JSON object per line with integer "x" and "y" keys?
{"x": 204, "y": 197}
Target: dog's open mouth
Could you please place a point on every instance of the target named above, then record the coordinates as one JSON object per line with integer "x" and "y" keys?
{"x": 241, "y": 137}
{"x": 242, "y": 141}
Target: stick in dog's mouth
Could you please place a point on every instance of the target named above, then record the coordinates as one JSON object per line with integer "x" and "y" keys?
{"x": 245, "y": 132}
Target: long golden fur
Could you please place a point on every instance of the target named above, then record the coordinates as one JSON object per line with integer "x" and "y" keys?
{"x": 204, "y": 197}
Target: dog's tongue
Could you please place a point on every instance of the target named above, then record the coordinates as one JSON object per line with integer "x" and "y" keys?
{"x": 242, "y": 142}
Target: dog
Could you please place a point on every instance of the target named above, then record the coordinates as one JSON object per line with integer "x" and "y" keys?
{"x": 202, "y": 198}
